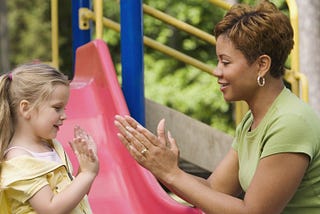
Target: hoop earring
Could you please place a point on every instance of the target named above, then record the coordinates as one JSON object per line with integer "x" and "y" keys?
{"x": 261, "y": 81}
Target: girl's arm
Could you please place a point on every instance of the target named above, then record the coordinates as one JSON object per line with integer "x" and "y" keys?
{"x": 45, "y": 201}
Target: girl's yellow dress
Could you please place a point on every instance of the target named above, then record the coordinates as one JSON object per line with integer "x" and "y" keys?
{"x": 23, "y": 176}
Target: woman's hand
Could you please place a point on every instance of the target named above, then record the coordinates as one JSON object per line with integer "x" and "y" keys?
{"x": 85, "y": 150}
{"x": 159, "y": 154}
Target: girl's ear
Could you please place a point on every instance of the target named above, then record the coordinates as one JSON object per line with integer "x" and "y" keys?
{"x": 264, "y": 63}
{"x": 25, "y": 109}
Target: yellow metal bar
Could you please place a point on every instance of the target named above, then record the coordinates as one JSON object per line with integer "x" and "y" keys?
{"x": 98, "y": 9}
{"x": 304, "y": 86}
{"x": 290, "y": 77}
{"x": 87, "y": 14}
{"x": 54, "y": 33}
{"x": 178, "y": 55}
{"x": 221, "y": 4}
{"x": 293, "y": 12}
{"x": 241, "y": 109}
{"x": 179, "y": 24}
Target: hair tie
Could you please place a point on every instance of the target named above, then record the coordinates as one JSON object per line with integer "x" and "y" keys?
{"x": 10, "y": 76}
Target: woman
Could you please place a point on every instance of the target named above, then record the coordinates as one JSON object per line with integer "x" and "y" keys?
{"x": 275, "y": 154}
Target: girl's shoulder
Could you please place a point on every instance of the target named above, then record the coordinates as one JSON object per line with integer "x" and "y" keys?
{"x": 16, "y": 151}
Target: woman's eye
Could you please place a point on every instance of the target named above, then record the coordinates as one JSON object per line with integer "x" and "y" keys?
{"x": 225, "y": 62}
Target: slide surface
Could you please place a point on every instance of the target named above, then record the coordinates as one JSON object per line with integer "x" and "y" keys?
{"x": 122, "y": 186}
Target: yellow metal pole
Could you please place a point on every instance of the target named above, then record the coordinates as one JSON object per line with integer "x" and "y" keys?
{"x": 156, "y": 45}
{"x": 221, "y": 4}
{"x": 98, "y": 8}
{"x": 54, "y": 33}
{"x": 304, "y": 86}
{"x": 178, "y": 55}
{"x": 293, "y": 10}
{"x": 179, "y": 24}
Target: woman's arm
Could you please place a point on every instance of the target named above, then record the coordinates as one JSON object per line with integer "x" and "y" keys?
{"x": 225, "y": 177}
{"x": 273, "y": 184}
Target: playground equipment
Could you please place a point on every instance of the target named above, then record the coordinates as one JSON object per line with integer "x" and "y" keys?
{"x": 132, "y": 65}
{"x": 122, "y": 186}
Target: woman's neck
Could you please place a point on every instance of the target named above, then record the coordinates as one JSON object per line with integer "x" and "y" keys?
{"x": 260, "y": 105}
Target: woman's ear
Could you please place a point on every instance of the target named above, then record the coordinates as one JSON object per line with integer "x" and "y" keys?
{"x": 25, "y": 109}
{"x": 264, "y": 63}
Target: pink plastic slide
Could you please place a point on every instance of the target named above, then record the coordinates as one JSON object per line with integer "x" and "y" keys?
{"x": 122, "y": 186}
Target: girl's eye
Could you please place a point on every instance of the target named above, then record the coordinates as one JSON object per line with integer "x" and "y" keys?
{"x": 57, "y": 108}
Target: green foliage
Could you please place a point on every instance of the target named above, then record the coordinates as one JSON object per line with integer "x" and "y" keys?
{"x": 167, "y": 81}
{"x": 29, "y": 31}
{"x": 175, "y": 84}
{"x": 29, "y": 24}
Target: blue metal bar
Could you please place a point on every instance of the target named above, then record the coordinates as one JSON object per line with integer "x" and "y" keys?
{"x": 132, "y": 57}
{"x": 79, "y": 37}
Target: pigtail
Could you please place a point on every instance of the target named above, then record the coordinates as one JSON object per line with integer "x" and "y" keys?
{"x": 6, "y": 125}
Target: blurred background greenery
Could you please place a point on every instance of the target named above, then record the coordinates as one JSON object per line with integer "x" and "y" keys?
{"x": 167, "y": 81}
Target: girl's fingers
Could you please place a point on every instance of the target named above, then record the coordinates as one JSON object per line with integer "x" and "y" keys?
{"x": 75, "y": 145}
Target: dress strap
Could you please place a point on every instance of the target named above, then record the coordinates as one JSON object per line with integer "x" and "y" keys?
{"x": 18, "y": 147}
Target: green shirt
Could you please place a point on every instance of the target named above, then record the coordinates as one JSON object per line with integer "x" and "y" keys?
{"x": 290, "y": 125}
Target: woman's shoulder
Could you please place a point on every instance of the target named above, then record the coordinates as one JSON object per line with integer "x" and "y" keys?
{"x": 289, "y": 108}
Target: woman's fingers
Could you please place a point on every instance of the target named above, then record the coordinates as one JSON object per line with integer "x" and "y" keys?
{"x": 130, "y": 137}
{"x": 161, "y": 132}
{"x": 137, "y": 151}
{"x": 172, "y": 144}
{"x": 149, "y": 135}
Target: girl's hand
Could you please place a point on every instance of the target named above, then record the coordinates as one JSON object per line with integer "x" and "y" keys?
{"x": 85, "y": 150}
{"x": 159, "y": 154}
{"x": 81, "y": 133}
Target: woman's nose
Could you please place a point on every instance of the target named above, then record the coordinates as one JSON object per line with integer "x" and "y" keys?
{"x": 217, "y": 72}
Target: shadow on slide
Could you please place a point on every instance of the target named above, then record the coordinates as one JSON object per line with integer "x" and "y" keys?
{"x": 122, "y": 186}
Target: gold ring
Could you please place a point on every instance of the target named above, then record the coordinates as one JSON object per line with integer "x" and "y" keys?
{"x": 144, "y": 151}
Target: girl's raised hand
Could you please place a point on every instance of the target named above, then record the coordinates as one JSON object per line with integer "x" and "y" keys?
{"x": 85, "y": 150}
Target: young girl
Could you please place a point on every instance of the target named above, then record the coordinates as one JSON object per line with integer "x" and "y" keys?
{"x": 35, "y": 170}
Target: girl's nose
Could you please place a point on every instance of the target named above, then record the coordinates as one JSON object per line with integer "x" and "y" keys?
{"x": 63, "y": 116}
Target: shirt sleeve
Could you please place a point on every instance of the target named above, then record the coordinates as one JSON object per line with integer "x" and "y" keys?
{"x": 23, "y": 190}
{"x": 289, "y": 133}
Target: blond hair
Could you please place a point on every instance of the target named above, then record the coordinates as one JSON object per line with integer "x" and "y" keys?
{"x": 31, "y": 82}
{"x": 259, "y": 30}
